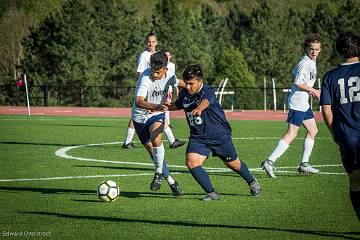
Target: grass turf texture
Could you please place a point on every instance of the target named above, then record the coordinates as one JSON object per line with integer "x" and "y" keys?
{"x": 293, "y": 206}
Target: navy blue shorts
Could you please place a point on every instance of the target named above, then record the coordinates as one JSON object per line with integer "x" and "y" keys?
{"x": 297, "y": 117}
{"x": 350, "y": 153}
{"x": 142, "y": 129}
{"x": 221, "y": 147}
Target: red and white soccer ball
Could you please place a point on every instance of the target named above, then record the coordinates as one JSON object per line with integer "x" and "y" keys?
{"x": 108, "y": 191}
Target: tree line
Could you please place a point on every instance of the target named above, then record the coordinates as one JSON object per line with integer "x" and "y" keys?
{"x": 97, "y": 42}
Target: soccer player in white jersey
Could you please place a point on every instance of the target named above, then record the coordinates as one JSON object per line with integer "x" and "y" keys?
{"x": 143, "y": 64}
{"x": 149, "y": 117}
{"x": 300, "y": 112}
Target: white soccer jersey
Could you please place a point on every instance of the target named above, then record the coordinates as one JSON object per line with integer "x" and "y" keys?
{"x": 170, "y": 71}
{"x": 171, "y": 68}
{"x": 153, "y": 92}
{"x": 143, "y": 61}
{"x": 304, "y": 73}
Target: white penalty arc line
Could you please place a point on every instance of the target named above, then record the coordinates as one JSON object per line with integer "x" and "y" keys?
{"x": 63, "y": 154}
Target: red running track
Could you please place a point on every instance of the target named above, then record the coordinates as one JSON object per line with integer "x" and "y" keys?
{"x": 125, "y": 112}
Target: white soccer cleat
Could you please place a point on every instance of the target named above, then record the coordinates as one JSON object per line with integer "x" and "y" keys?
{"x": 306, "y": 168}
{"x": 269, "y": 168}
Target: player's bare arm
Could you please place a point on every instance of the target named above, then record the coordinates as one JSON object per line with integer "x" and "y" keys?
{"x": 312, "y": 91}
{"x": 199, "y": 109}
{"x": 171, "y": 106}
{"x": 142, "y": 103}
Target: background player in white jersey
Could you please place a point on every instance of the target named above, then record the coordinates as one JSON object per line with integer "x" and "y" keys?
{"x": 340, "y": 98}
{"x": 143, "y": 64}
{"x": 170, "y": 71}
{"x": 149, "y": 117}
{"x": 300, "y": 112}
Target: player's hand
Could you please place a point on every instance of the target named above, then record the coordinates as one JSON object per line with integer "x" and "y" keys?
{"x": 317, "y": 94}
{"x": 196, "y": 112}
{"x": 161, "y": 107}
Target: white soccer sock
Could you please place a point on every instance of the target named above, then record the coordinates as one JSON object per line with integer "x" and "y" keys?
{"x": 158, "y": 155}
{"x": 129, "y": 135}
{"x": 169, "y": 135}
{"x": 167, "y": 117}
{"x": 279, "y": 150}
{"x": 307, "y": 149}
{"x": 170, "y": 180}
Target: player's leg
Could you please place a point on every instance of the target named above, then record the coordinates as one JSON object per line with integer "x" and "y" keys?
{"x": 167, "y": 118}
{"x": 129, "y": 135}
{"x": 354, "y": 178}
{"x": 295, "y": 119}
{"x": 350, "y": 156}
{"x": 308, "y": 145}
{"x": 194, "y": 162}
{"x": 225, "y": 150}
{"x": 173, "y": 142}
{"x": 143, "y": 132}
{"x": 155, "y": 185}
{"x": 242, "y": 169}
{"x": 196, "y": 154}
{"x": 156, "y": 128}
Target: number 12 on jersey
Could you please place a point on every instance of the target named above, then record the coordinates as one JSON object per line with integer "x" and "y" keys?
{"x": 353, "y": 90}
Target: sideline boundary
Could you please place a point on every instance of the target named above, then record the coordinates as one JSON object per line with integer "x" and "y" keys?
{"x": 278, "y": 115}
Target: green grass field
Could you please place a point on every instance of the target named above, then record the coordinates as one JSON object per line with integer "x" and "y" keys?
{"x": 43, "y": 195}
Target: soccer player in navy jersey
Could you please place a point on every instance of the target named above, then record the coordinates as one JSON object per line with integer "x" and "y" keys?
{"x": 209, "y": 132}
{"x": 340, "y": 98}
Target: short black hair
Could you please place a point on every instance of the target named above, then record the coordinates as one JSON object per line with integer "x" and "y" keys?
{"x": 311, "y": 38}
{"x": 158, "y": 60}
{"x": 193, "y": 71}
{"x": 348, "y": 45}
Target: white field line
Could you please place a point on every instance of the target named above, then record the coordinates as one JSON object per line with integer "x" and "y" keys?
{"x": 143, "y": 174}
{"x": 63, "y": 154}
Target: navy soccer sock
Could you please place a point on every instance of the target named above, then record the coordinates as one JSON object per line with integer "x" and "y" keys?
{"x": 355, "y": 200}
{"x": 245, "y": 173}
{"x": 202, "y": 177}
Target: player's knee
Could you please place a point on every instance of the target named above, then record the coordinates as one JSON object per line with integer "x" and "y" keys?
{"x": 289, "y": 137}
{"x": 313, "y": 132}
{"x": 192, "y": 164}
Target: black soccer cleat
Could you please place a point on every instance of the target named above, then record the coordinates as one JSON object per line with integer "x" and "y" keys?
{"x": 255, "y": 189}
{"x": 176, "y": 190}
{"x": 156, "y": 182}
{"x": 128, "y": 146}
{"x": 211, "y": 196}
{"x": 177, "y": 143}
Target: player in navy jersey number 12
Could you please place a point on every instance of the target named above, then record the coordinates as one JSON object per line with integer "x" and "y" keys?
{"x": 340, "y": 98}
{"x": 209, "y": 132}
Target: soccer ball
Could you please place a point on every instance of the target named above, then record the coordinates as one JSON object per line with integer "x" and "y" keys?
{"x": 108, "y": 191}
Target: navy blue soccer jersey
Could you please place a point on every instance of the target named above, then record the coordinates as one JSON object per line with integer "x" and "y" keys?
{"x": 341, "y": 89}
{"x": 212, "y": 123}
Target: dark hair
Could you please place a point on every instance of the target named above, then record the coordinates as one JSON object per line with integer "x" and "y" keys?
{"x": 193, "y": 71}
{"x": 311, "y": 38}
{"x": 150, "y": 34}
{"x": 348, "y": 45}
{"x": 158, "y": 60}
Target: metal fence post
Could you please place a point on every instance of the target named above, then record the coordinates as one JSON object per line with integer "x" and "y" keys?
{"x": 46, "y": 95}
